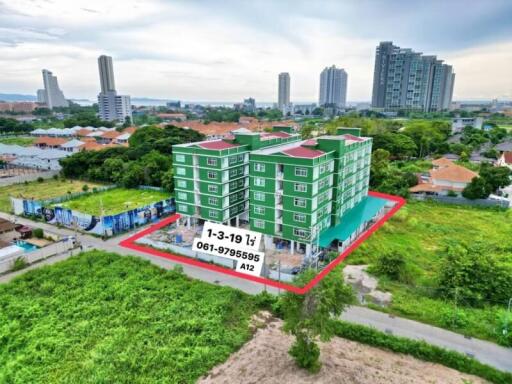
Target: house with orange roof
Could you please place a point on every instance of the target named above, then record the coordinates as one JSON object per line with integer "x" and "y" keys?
{"x": 445, "y": 177}
{"x": 108, "y": 137}
{"x": 46, "y": 142}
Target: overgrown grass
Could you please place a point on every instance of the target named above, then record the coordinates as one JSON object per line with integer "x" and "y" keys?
{"x": 421, "y": 231}
{"x": 18, "y": 140}
{"x": 40, "y": 190}
{"x": 114, "y": 201}
{"x": 102, "y": 318}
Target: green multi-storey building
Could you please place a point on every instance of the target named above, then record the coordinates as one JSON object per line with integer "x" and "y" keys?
{"x": 290, "y": 190}
{"x": 211, "y": 178}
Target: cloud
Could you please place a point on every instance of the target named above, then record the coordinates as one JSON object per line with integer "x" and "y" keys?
{"x": 227, "y": 50}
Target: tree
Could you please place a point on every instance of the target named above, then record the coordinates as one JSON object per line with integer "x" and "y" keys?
{"x": 309, "y": 316}
{"x": 495, "y": 177}
{"x": 474, "y": 276}
{"x": 392, "y": 265}
{"x": 477, "y": 189}
{"x": 398, "y": 145}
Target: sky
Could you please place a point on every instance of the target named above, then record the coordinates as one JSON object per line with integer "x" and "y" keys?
{"x": 227, "y": 50}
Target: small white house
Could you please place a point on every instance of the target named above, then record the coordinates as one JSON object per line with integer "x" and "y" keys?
{"x": 458, "y": 123}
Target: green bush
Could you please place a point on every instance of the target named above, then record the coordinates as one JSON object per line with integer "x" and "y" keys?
{"x": 38, "y": 233}
{"x": 306, "y": 353}
{"x": 18, "y": 264}
{"x": 85, "y": 188}
{"x": 420, "y": 350}
{"x": 40, "y": 179}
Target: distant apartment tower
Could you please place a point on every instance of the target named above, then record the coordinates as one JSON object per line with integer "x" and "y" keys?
{"x": 283, "y": 99}
{"x": 333, "y": 87}
{"x": 112, "y": 106}
{"x": 249, "y": 105}
{"x": 404, "y": 79}
{"x": 51, "y": 95}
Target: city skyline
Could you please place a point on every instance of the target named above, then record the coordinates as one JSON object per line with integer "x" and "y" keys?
{"x": 230, "y": 57}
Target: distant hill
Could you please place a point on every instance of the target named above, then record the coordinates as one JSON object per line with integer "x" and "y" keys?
{"x": 16, "y": 97}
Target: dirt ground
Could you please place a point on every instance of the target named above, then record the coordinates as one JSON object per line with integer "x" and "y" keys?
{"x": 265, "y": 360}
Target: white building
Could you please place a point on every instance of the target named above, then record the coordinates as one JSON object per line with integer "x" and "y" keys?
{"x": 458, "y": 123}
{"x": 33, "y": 157}
{"x": 333, "y": 87}
{"x": 283, "y": 98}
{"x": 111, "y": 105}
{"x": 52, "y": 95}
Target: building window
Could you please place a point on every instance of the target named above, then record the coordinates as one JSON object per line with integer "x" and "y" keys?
{"x": 299, "y": 187}
{"x": 259, "y": 167}
{"x": 182, "y": 196}
{"x": 259, "y": 210}
{"x": 259, "y": 196}
{"x": 259, "y": 181}
{"x": 213, "y": 201}
{"x": 180, "y": 158}
{"x": 299, "y": 217}
{"x": 182, "y": 184}
{"x": 181, "y": 171}
{"x": 232, "y": 172}
{"x": 211, "y": 161}
{"x": 212, "y": 175}
{"x": 299, "y": 202}
{"x": 299, "y": 232}
{"x": 183, "y": 207}
{"x": 259, "y": 224}
{"x": 213, "y": 214}
{"x": 240, "y": 157}
{"x": 240, "y": 195}
{"x": 213, "y": 188}
{"x": 232, "y": 160}
{"x": 299, "y": 171}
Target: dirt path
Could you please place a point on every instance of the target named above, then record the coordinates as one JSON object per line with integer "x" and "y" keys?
{"x": 265, "y": 360}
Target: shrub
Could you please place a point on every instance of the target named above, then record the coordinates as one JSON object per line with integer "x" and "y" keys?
{"x": 392, "y": 265}
{"x": 18, "y": 264}
{"x": 451, "y": 194}
{"x": 40, "y": 179}
{"x": 85, "y": 187}
{"x": 55, "y": 177}
{"x": 306, "y": 353}
{"x": 38, "y": 233}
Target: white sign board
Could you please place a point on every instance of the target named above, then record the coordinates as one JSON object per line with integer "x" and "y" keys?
{"x": 232, "y": 243}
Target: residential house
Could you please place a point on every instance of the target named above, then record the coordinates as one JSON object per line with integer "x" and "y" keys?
{"x": 46, "y": 142}
{"x": 445, "y": 177}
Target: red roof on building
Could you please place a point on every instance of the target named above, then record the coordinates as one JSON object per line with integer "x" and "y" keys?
{"x": 348, "y": 136}
{"x": 279, "y": 134}
{"x": 507, "y": 156}
{"x": 111, "y": 134}
{"x": 310, "y": 143}
{"x": 303, "y": 152}
{"x": 216, "y": 144}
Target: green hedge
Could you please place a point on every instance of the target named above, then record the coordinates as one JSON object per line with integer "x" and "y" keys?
{"x": 420, "y": 350}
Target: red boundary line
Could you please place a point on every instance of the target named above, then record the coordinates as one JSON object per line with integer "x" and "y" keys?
{"x": 130, "y": 243}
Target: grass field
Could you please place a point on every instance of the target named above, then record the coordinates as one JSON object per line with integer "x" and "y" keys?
{"x": 18, "y": 140}
{"x": 115, "y": 201}
{"x": 35, "y": 190}
{"x": 103, "y": 318}
{"x": 421, "y": 231}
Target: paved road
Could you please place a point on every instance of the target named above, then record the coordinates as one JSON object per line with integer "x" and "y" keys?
{"x": 484, "y": 351}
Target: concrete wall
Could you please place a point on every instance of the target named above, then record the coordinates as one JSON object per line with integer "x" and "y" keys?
{"x": 7, "y": 263}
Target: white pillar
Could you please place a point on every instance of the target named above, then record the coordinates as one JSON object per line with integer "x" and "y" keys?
{"x": 188, "y": 222}
{"x": 237, "y": 220}
{"x": 292, "y": 246}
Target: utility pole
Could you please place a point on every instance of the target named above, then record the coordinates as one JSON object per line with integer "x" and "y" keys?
{"x": 102, "y": 221}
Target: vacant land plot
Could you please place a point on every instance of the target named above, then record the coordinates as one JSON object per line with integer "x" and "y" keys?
{"x": 24, "y": 141}
{"x": 265, "y": 359}
{"x": 115, "y": 201}
{"x": 103, "y": 318}
{"x": 421, "y": 232}
{"x": 40, "y": 190}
